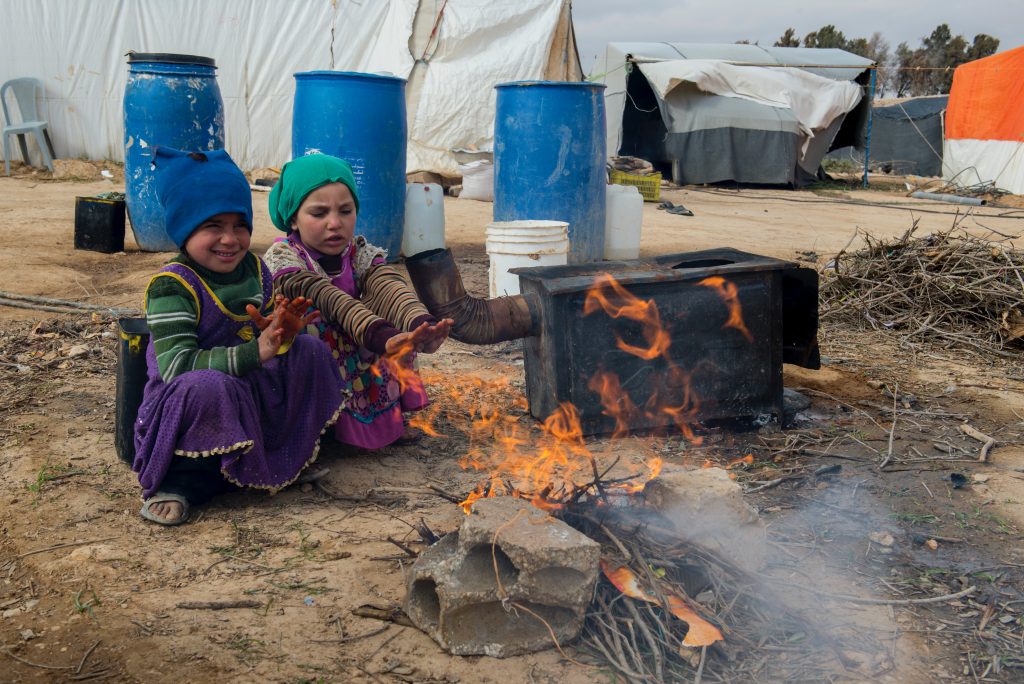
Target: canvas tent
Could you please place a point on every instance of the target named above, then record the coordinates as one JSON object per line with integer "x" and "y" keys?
{"x": 906, "y": 137}
{"x": 452, "y": 52}
{"x": 985, "y": 123}
{"x": 737, "y": 112}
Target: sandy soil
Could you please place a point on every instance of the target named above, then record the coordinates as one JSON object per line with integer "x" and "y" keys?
{"x": 89, "y": 589}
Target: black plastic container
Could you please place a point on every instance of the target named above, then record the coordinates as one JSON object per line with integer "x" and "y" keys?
{"x": 99, "y": 224}
{"x": 133, "y": 339}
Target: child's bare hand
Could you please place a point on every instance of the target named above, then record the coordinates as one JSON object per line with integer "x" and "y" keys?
{"x": 258, "y": 318}
{"x": 429, "y": 338}
{"x": 291, "y": 316}
{"x": 269, "y": 342}
{"x": 399, "y": 349}
{"x": 426, "y": 338}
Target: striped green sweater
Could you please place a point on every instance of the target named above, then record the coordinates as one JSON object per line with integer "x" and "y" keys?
{"x": 173, "y": 319}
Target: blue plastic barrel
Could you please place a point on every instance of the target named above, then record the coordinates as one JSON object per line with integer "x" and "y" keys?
{"x": 549, "y": 159}
{"x": 361, "y": 119}
{"x": 170, "y": 100}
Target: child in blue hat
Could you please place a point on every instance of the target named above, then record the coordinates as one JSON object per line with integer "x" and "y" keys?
{"x": 231, "y": 400}
{"x": 368, "y": 315}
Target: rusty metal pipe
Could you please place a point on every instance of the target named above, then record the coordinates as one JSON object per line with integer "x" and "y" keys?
{"x": 477, "y": 321}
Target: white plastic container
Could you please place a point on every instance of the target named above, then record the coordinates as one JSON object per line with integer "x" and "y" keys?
{"x": 623, "y": 220}
{"x": 516, "y": 244}
{"x": 424, "y": 218}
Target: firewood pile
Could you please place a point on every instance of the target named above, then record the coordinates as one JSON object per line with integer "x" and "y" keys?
{"x": 950, "y": 288}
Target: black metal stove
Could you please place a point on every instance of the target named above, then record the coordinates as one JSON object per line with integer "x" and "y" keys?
{"x": 733, "y": 373}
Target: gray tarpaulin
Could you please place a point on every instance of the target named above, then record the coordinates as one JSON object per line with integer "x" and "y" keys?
{"x": 743, "y": 131}
{"x": 906, "y": 137}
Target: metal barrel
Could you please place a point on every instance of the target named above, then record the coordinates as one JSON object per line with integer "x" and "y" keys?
{"x": 133, "y": 339}
{"x": 361, "y": 119}
{"x": 549, "y": 159}
{"x": 170, "y": 100}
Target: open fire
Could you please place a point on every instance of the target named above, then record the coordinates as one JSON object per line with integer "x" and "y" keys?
{"x": 657, "y": 348}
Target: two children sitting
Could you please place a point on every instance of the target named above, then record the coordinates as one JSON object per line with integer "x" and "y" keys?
{"x": 236, "y": 396}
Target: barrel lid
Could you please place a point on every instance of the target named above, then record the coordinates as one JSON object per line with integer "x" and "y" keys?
{"x": 553, "y": 84}
{"x": 169, "y": 58}
{"x": 347, "y": 74}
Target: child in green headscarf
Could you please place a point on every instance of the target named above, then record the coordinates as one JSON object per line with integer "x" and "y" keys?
{"x": 369, "y": 317}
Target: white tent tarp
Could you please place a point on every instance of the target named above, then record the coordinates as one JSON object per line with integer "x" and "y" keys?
{"x": 732, "y": 112}
{"x": 815, "y": 101}
{"x": 452, "y": 52}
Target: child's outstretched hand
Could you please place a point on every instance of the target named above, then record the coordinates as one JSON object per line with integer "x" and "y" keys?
{"x": 429, "y": 338}
{"x": 426, "y": 339}
{"x": 289, "y": 316}
{"x": 269, "y": 342}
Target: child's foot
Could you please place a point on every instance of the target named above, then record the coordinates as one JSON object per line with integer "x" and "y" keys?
{"x": 165, "y": 508}
{"x": 410, "y": 436}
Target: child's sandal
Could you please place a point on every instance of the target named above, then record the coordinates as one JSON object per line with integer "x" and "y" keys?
{"x": 164, "y": 497}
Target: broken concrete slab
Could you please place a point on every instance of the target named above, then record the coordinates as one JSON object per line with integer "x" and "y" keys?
{"x": 706, "y": 507}
{"x": 485, "y": 589}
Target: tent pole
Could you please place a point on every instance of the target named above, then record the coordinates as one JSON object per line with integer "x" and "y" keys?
{"x": 867, "y": 137}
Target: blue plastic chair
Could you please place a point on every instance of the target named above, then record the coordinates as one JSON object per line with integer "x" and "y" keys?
{"x": 24, "y": 90}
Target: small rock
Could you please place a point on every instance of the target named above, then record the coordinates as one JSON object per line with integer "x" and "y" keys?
{"x": 932, "y": 544}
{"x": 337, "y": 555}
{"x": 27, "y": 634}
{"x": 882, "y": 538}
{"x": 78, "y": 350}
{"x": 981, "y": 477}
{"x": 705, "y": 507}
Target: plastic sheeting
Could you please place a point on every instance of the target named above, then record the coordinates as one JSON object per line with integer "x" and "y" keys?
{"x": 814, "y": 102}
{"x": 462, "y": 49}
{"x": 906, "y": 137}
{"x": 973, "y": 162}
{"x": 620, "y": 58}
{"x": 985, "y": 122}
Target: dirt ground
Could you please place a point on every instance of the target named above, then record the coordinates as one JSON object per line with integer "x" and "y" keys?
{"x": 90, "y": 591}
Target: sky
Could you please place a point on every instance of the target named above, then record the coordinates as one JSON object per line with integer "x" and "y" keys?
{"x": 599, "y": 22}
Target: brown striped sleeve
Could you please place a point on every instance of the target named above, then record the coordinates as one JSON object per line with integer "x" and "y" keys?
{"x": 387, "y": 293}
{"x": 335, "y": 306}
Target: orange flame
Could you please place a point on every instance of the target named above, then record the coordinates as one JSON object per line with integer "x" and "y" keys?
{"x": 727, "y": 291}
{"x": 548, "y": 464}
{"x": 745, "y": 461}
{"x": 701, "y": 632}
{"x": 645, "y": 312}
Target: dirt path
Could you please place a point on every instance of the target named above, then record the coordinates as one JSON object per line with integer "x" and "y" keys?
{"x": 88, "y": 589}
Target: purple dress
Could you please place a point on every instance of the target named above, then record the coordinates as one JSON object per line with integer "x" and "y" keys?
{"x": 265, "y": 426}
{"x": 374, "y": 398}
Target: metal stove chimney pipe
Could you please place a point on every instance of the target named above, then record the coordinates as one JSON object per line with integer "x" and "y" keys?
{"x": 477, "y": 321}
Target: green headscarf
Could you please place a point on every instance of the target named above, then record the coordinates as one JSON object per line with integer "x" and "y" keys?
{"x": 301, "y": 176}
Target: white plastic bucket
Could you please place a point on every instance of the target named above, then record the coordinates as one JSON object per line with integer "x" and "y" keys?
{"x": 424, "y": 218}
{"x": 623, "y": 220}
{"x": 516, "y": 244}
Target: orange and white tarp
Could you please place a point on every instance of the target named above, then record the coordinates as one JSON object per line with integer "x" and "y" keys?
{"x": 984, "y": 140}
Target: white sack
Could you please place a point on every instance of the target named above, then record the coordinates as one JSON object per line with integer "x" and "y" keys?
{"x": 477, "y": 181}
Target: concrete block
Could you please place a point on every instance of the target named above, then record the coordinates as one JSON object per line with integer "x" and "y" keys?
{"x": 462, "y": 590}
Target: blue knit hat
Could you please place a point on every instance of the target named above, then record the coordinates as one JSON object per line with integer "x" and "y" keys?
{"x": 193, "y": 186}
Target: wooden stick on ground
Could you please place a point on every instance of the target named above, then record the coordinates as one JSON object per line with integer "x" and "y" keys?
{"x": 892, "y": 430}
{"x": 988, "y": 442}
{"x": 219, "y": 605}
